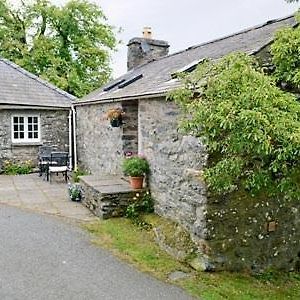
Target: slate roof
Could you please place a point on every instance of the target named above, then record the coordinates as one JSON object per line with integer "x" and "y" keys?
{"x": 157, "y": 80}
{"x": 19, "y": 87}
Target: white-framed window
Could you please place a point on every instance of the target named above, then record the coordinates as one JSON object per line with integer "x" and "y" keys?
{"x": 26, "y": 128}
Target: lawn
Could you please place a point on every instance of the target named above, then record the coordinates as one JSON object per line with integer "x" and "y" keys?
{"x": 136, "y": 246}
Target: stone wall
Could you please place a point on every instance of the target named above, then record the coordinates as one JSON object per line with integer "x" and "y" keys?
{"x": 236, "y": 232}
{"x": 54, "y": 131}
{"x": 175, "y": 162}
{"x": 252, "y": 234}
{"x": 100, "y": 146}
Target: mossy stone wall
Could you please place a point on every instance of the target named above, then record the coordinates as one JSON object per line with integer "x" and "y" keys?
{"x": 252, "y": 234}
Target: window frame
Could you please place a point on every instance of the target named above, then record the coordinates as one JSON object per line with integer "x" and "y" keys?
{"x": 26, "y": 139}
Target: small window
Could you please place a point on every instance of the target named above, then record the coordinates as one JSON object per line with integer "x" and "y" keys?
{"x": 25, "y": 129}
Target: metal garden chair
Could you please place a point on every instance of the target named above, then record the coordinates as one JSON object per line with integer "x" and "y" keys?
{"x": 59, "y": 163}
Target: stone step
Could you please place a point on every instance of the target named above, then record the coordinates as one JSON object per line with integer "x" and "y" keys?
{"x": 108, "y": 196}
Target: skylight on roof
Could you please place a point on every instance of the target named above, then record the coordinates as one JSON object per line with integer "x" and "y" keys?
{"x": 188, "y": 68}
{"x": 130, "y": 80}
{"x": 111, "y": 86}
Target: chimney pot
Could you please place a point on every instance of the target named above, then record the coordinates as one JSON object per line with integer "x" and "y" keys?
{"x": 147, "y": 32}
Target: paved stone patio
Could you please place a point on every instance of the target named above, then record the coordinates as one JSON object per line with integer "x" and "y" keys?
{"x": 33, "y": 193}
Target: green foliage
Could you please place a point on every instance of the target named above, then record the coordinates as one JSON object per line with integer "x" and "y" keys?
{"x": 11, "y": 168}
{"x": 286, "y": 56}
{"x": 75, "y": 192}
{"x": 68, "y": 45}
{"x": 139, "y": 248}
{"x": 141, "y": 203}
{"x": 76, "y": 174}
{"x": 135, "y": 166}
{"x": 251, "y": 127}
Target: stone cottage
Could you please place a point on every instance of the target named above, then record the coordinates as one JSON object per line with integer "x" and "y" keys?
{"x": 32, "y": 113}
{"x": 229, "y": 235}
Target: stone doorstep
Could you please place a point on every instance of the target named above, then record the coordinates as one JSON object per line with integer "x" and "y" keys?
{"x": 107, "y": 197}
{"x": 97, "y": 178}
{"x": 110, "y": 182}
{"x": 115, "y": 189}
{"x": 109, "y": 185}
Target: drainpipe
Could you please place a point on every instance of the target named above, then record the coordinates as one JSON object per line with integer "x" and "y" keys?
{"x": 70, "y": 139}
{"x": 74, "y": 137}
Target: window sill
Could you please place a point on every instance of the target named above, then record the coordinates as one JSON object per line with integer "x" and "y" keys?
{"x": 14, "y": 144}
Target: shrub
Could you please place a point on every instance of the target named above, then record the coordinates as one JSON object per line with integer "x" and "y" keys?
{"x": 76, "y": 174}
{"x": 11, "y": 168}
{"x": 285, "y": 56}
{"x": 135, "y": 166}
{"x": 141, "y": 203}
{"x": 250, "y": 126}
{"x": 75, "y": 192}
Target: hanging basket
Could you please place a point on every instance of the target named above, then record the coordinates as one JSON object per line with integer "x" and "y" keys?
{"x": 114, "y": 115}
{"x": 116, "y": 122}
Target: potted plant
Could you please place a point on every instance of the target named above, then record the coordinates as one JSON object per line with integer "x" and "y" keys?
{"x": 115, "y": 116}
{"x": 136, "y": 167}
{"x": 75, "y": 192}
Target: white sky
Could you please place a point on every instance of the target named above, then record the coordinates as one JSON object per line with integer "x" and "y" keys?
{"x": 189, "y": 22}
{"x": 184, "y": 23}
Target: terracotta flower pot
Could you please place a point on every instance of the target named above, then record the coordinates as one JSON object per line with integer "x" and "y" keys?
{"x": 136, "y": 182}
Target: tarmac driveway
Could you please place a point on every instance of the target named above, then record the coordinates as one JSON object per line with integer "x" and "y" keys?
{"x": 33, "y": 193}
{"x": 42, "y": 257}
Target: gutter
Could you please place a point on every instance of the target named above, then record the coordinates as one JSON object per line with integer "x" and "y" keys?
{"x": 121, "y": 98}
{"x": 33, "y": 107}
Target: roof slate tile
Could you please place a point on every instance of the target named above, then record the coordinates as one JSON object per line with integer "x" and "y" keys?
{"x": 157, "y": 73}
{"x": 19, "y": 87}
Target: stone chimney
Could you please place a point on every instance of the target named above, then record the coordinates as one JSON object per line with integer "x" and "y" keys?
{"x": 145, "y": 49}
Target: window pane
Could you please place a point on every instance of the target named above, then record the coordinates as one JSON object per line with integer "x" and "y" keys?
{"x": 25, "y": 128}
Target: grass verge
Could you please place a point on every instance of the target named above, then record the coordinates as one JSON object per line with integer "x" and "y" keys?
{"x": 137, "y": 247}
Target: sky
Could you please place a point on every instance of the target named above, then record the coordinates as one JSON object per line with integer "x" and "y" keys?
{"x": 189, "y": 22}
{"x": 184, "y": 23}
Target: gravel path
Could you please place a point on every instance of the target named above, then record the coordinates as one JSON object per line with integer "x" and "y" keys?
{"x": 42, "y": 257}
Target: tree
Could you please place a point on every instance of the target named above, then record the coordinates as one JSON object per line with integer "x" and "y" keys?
{"x": 250, "y": 126}
{"x": 285, "y": 52}
{"x": 68, "y": 45}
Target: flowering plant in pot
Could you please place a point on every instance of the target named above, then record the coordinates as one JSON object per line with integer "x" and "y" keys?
{"x": 115, "y": 116}
{"x": 136, "y": 167}
{"x": 75, "y": 192}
